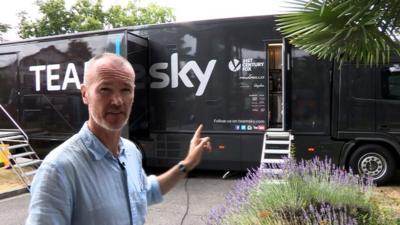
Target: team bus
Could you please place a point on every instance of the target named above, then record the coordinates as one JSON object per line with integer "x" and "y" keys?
{"x": 238, "y": 77}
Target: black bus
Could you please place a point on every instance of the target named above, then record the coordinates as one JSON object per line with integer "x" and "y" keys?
{"x": 239, "y": 77}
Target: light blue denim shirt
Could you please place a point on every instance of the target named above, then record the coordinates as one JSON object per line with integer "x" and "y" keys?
{"x": 81, "y": 183}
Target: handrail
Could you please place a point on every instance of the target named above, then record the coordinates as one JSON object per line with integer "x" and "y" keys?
{"x": 15, "y": 123}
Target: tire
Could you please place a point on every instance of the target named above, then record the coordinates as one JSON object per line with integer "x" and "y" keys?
{"x": 373, "y": 161}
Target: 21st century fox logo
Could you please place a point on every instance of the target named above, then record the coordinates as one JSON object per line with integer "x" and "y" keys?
{"x": 235, "y": 65}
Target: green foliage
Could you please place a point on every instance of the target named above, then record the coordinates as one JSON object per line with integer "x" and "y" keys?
{"x": 308, "y": 192}
{"x": 85, "y": 15}
{"x": 134, "y": 15}
{"x": 3, "y": 29}
{"x": 362, "y": 31}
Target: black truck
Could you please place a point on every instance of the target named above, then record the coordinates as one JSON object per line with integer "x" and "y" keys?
{"x": 239, "y": 77}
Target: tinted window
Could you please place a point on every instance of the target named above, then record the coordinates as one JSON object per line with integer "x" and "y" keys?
{"x": 391, "y": 83}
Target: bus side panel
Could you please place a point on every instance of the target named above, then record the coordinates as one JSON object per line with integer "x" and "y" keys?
{"x": 168, "y": 149}
{"x": 8, "y": 88}
{"x": 310, "y": 146}
{"x": 311, "y": 94}
{"x": 214, "y": 73}
{"x": 50, "y": 73}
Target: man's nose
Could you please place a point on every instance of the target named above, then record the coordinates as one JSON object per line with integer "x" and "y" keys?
{"x": 117, "y": 99}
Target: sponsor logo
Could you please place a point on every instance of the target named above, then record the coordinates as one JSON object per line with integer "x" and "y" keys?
{"x": 156, "y": 71}
{"x": 234, "y": 65}
{"x": 261, "y": 127}
{"x": 53, "y": 76}
{"x": 258, "y": 85}
{"x": 56, "y": 80}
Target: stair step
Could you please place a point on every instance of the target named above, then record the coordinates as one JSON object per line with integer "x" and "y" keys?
{"x": 29, "y": 163}
{"x": 8, "y": 133}
{"x": 278, "y": 134}
{"x": 276, "y": 142}
{"x": 14, "y": 137}
{"x": 272, "y": 171}
{"x": 30, "y": 173}
{"x": 276, "y": 151}
{"x": 22, "y": 155}
{"x": 18, "y": 146}
{"x": 276, "y": 161}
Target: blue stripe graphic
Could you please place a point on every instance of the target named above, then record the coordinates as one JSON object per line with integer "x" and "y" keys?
{"x": 118, "y": 45}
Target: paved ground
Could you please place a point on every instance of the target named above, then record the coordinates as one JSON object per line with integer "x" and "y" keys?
{"x": 205, "y": 191}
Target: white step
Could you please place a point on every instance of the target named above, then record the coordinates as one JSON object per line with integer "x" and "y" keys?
{"x": 30, "y": 173}
{"x": 17, "y": 146}
{"x": 276, "y": 151}
{"x": 15, "y": 137}
{"x": 29, "y": 163}
{"x": 274, "y": 142}
{"x": 22, "y": 154}
{"x": 272, "y": 171}
{"x": 278, "y": 134}
{"x": 277, "y": 161}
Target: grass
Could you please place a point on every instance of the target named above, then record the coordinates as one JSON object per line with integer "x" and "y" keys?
{"x": 312, "y": 192}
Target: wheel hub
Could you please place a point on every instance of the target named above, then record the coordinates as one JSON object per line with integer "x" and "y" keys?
{"x": 372, "y": 165}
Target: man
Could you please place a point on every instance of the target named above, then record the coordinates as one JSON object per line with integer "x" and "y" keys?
{"x": 96, "y": 177}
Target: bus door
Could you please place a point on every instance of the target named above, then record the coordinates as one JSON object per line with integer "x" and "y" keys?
{"x": 278, "y": 56}
{"x": 137, "y": 55}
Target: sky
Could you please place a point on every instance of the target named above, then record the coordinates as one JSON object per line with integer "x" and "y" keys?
{"x": 184, "y": 10}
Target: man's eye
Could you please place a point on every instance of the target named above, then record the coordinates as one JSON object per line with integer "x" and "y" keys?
{"x": 105, "y": 90}
{"x": 127, "y": 90}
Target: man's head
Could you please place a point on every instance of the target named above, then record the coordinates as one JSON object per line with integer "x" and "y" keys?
{"x": 108, "y": 90}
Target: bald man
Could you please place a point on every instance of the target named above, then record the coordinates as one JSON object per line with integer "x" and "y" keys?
{"x": 96, "y": 176}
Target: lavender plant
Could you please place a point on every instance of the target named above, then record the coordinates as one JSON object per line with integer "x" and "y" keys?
{"x": 306, "y": 193}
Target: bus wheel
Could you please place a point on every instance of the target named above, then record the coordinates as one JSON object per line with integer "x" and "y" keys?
{"x": 373, "y": 161}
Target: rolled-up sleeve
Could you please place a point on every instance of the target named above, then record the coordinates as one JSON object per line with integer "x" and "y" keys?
{"x": 153, "y": 190}
{"x": 51, "y": 203}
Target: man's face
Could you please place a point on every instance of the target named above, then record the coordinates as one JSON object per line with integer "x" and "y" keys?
{"x": 109, "y": 94}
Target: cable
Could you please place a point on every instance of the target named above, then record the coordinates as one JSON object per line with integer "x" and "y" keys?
{"x": 187, "y": 201}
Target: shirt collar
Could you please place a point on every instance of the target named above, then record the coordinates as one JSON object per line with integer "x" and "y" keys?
{"x": 94, "y": 145}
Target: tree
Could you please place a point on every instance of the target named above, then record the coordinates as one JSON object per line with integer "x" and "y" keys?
{"x": 85, "y": 15}
{"x": 3, "y": 29}
{"x": 133, "y": 15}
{"x": 361, "y": 31}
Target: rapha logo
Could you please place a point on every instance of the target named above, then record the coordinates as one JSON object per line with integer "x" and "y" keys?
{"x": 234, "y": 65}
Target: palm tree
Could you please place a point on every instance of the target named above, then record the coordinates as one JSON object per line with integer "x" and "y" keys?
{"x": 361, "y": 31}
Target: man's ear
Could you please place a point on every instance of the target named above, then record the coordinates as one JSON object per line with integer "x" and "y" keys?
{"x": 84, "y": 93}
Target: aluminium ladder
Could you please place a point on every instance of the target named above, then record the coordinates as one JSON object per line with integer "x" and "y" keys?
{"x": 276, "y": 147}
{"x": 24, "y": 160}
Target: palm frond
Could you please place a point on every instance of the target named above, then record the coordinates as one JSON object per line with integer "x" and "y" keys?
{"x": 363, "y": 31}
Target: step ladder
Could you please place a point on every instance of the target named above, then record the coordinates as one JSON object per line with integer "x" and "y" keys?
{"x": 24, "y": 160}
{"x": 276, "y": 147}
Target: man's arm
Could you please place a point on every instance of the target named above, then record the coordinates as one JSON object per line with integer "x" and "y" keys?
{"x": 50, "y": 201}
{"x": 198, "y": 144}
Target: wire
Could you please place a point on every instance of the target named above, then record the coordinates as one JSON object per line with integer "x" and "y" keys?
{"x": 187, "y": 201}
